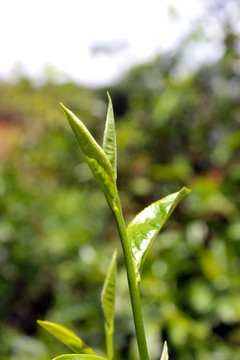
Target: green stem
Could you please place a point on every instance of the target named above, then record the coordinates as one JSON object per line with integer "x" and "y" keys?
{"x": 109, "y": 342}
{"x": 132, "y": 282}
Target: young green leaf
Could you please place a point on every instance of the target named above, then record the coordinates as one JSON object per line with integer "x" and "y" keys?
{"x": 109, "y": 138}
{"x": 94, "y": 155}
{"x": 108, "y": 292}
{"x": 108, "y": 302}
{"x": 164, "y": 352}
{"x": 144, "y": 228}
{"x": 66, "y": 336}
{"x": 79, "y": 357}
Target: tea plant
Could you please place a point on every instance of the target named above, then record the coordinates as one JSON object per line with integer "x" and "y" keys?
{"x": 136, "y": 240}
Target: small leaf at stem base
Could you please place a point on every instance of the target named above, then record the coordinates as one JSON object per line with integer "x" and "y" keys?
{"x": 108, "y": 302}
{"x": 79, "y": 357}
{"x": 66, "y": 336}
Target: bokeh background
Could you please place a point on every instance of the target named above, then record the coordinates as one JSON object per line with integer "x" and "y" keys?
{"x": 177, "y": 108}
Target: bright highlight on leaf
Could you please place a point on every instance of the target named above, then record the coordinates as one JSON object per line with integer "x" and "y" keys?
{"x": 67, "y": 337}
{"x": 94, "y": 155}
{"x": 109, "y": 138}
{"x": 147, "y": 224}
{"x": 79, "y": 357}
{"x": 164, "y": 352}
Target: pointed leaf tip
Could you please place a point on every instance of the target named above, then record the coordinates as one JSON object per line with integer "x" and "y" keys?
{"x": 164, "y": 355}
{"x": 109, "y": 138}
{"x": 65, "y": 110}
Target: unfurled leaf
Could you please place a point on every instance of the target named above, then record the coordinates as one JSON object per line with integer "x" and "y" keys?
{"x": 146, "y": 225}
{"x": 79, "y": 357}
{"x": 67, "y": 337}
{"x": 108, "y": 302}
{"x": 164, "y": 352}
{"x": 94, "y": 155}
{"x": 109, "y": 138}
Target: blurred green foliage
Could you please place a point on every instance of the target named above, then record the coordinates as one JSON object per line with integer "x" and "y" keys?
{"x": 57, "y": 234}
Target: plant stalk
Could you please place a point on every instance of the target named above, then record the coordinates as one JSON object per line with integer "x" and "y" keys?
{"x": 109, "y": 342}
{"x": 132, "y": 282}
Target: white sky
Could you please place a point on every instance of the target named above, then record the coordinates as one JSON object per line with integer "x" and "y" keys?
{"x": 34, "y": 34}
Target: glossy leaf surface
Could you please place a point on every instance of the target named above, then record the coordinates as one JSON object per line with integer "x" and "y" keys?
{"x": 66, "y": 336}
{"x": 79, "y": 357}
{"x": 147, "y": 224}
{"x": 164, "y": 352}
{"x": 109, "y": 138}
{"x": 94, "y": 155}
